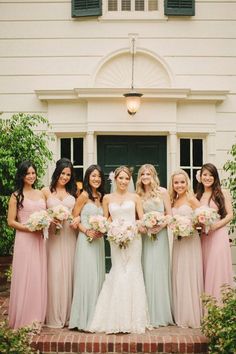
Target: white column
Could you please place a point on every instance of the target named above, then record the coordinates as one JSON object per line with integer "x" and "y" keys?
{"x": 90, "y": 150}
{"x": 173, "y": 143}
{"x": 211, "y": 148}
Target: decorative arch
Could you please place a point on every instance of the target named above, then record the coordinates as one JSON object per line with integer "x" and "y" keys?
{"x": 150, "y": 71}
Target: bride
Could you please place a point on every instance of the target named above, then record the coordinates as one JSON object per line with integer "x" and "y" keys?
{"x": 122, "y": 304}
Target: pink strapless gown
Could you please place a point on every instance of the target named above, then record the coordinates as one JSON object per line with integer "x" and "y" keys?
{"x": 187, "y": 277}
{"x": 28, "y": 295}
{"x": 217, "y": 260}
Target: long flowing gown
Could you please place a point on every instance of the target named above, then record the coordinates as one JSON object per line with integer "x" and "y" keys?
{"x": 217, "y": 260}
{"x": 187, "y": 277}
{"x": 60, "y": 250}
{"x": 28, "y": 297}
{"x": 122, "y": 303}
{"x": 89, "y": 273}
{"x": 156, "y": 270}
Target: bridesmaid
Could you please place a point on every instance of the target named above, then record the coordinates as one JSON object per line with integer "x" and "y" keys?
{"x": 156, "y": 253}
{"x": 217, "y": 262}
{"x": 28, "y": 295}
{"x": 60, "y": 247}
{"x": 187, "y": 274}
{"x": 89, "y": 256}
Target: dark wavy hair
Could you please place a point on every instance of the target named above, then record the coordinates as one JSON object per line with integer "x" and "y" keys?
{"x": 71, "y": 186}
{"x": 19, "y": 181}
{"x": 216, "y": 195}
{"x": 86, "y": 185}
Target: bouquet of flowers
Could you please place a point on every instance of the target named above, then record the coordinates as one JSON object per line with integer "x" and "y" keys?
{"x": 98, "y": 223}
{"x": 121, "y": 232}
{"x": 205, "y": 216}
{"x": 60, "y": 213}
{"x": 150, "y": 220}
{"x": 181, "y": 226}
{"x": 39, "y": 220}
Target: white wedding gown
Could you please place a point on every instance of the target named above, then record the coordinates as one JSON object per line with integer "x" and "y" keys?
{"x": 122, "y": 304}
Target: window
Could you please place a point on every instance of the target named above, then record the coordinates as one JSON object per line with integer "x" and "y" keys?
{"x": 73, "y": 149}
{"x": 132, "y": 5}
{"x": 191, "y": 157}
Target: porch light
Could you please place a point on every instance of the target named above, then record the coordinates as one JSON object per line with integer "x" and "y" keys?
{"x": 133, "y": 100}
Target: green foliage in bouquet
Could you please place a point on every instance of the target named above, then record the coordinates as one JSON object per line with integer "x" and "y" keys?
{"x": 230, "y": 182}
{"x": 219, "y": 322}
{"x": 15, "y": 341}
{"x": 22, "y": 137}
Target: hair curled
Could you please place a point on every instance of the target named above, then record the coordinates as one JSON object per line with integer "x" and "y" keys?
{"x": 155, "y": 182}
{"x": 172, "y": 192}
{"x": 86, "y": 185}
{"x": 19, "y": 181}
{"x": 216, "y": 195}
{"x": 71, "y": 186}
{"x": 122, "y": 168}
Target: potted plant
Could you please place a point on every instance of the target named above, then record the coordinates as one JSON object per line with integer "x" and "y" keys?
{"x": 22, "y": 137}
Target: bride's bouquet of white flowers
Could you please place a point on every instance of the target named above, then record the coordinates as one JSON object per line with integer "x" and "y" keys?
{"x": 121, "y": 232}
{"x": 39, "y": 220}
{"x": 150, "y": 220}
{"x": 204, "y": 217}
{"x": 60, "y": 213}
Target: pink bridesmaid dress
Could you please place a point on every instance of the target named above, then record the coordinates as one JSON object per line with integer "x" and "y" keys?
{"x": 217, "y": 260}
{"x": 28, "y": 296}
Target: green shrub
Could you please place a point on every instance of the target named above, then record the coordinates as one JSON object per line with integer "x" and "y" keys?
{"x": 219, "y": 322}
{"x": 15, "y": 341}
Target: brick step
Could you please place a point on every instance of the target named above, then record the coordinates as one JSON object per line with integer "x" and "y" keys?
{"x": 169, "y": 339}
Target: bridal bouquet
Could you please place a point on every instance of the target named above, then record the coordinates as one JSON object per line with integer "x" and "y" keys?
{"x": 150, "y": 220}
{"x": 98, "y": 223}
{"x": 121, "y": 232}
{"x": 205, "y": 216}
{"x": 181, "y": 226}
{"x": 60, "y": 213}
{"x": 39, "y": 220}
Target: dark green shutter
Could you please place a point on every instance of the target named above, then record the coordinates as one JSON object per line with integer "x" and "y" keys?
{"x": 82, "y": 8}
{"x": 179, "y": 7}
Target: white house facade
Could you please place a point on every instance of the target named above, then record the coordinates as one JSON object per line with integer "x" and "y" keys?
{"x": 75, "y": 70}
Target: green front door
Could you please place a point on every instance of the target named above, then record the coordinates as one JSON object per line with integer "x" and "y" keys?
{"x": 132, "y": 151}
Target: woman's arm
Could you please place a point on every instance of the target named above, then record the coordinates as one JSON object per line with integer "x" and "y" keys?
{"x": 139, "y": 206}
{"x": 166, "y": 201}
{"x": 194, "y": 203}
{"x": 229, "y": 210}
{"x": 105, "y": 203}
{"x": 12, "y": 216}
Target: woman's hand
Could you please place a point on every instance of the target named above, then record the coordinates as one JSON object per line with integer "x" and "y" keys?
{"x": 142, "y": 229}
{"x": 92, "y": 234}
{"x": 74, "y": 224}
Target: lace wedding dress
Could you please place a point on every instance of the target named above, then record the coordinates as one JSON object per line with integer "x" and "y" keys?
{"x": 122, "y": 304}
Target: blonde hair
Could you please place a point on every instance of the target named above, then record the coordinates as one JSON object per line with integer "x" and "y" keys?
{"x": 120, "y": 169}
{"x": 173, "y": 194}
{"x": 155, "y": 182}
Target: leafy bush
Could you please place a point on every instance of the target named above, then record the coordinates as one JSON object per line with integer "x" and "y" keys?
{"x": 219, "y": 322}
{"x": 15, "y": 341}
{"x": 230, "y": 182}
{"x": 22, "y": 137}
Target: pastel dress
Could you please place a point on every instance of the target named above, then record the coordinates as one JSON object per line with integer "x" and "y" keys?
{"x": 28, "y": 296}
{"x": 122, "y": 303}
{"x": 217, "y": 259}
{"x": 187, "y": 276}
{"x": 89, "y": 272}
{"x": 156, "y": 269}
{"x": 61, "y": 250}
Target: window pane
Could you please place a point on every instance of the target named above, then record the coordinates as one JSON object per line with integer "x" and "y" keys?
{"x": 139, "y": 5}
{"x": 78, "y": 151}
{"x": 184, "y": 152}
{"x": 152, "y": 5}
{"x": 126, "y": 5}
{"x": 112, "y": 5}
{"x": 197, "y": 152}
{"x": 65, "y": 148}
{"x": 79, "y": 174}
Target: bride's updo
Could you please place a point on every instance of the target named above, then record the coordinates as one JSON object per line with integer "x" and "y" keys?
{"x": 120, "y": 169}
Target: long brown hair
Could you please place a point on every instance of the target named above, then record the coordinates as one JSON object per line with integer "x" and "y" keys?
{"x": 216, "y": 195}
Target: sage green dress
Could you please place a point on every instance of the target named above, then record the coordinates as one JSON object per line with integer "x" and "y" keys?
{"x": 89, "y": 273}
{"x": 156, "y": 269}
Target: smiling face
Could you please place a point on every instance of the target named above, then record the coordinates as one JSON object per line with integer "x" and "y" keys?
{"x": 95, "y": 179}
{"x": 122, "y": 181}
{"x": 207, "y": 178}
{"x": 64, "y": 177}
{"x": 179, "y": 183}
{"x": 30, "y": 176}
{"x": 146, "y": 177}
